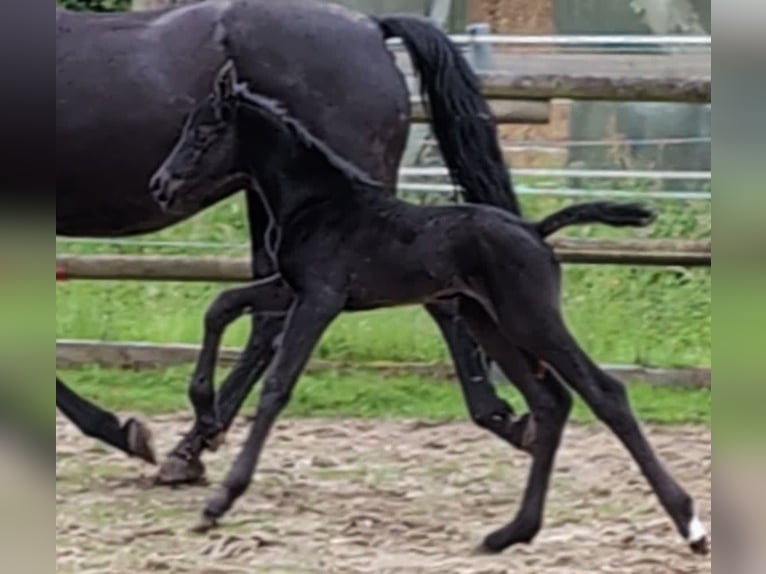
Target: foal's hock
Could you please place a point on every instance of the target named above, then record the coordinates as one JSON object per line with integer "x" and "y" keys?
{"x": 345, "y": 246}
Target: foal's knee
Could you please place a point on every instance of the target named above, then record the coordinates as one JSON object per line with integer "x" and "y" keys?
{"x": 220, "y": 313}
{"x": 201, "y": 392}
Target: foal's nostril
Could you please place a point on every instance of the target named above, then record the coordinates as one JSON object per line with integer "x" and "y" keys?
{"x": 160, "y": 190}
{"x": 162, "y": 197}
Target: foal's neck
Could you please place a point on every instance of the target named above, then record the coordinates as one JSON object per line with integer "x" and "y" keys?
{"x": 296, "y": 170}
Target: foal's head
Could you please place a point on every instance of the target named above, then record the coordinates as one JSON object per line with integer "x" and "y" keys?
{"x": 234, "y": 132}
{"x": 207, "y": 152}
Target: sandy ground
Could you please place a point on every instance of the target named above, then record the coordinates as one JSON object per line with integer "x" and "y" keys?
{"x": 377, "y": 497}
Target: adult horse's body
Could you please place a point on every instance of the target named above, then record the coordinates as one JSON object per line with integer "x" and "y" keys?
{"x": 125, "y": 82}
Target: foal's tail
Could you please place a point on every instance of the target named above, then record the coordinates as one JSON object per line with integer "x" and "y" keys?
{"x": 614, "y": 214}
{"x": 462, "y": 120}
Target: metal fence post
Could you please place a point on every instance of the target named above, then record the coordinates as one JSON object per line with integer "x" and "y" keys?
{"x": 481, "y": 56}
{"x": 439, "y": 12}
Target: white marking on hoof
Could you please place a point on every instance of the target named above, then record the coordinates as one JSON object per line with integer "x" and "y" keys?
{"x": 697, "y": 531}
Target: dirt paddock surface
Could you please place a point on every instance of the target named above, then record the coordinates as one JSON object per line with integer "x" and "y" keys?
{"x": 351, "y": 496}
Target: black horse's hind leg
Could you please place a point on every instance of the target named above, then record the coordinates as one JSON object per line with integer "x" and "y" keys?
{"x": 486, "y": 408}
{"x": 132, "y": 438}
{"x": 303, "y": 329}
{"x": 550, "y": 403}
{"x": 183, "y": 464}
{"x": 608, "y": 399}
{"x": 530, "y": 320}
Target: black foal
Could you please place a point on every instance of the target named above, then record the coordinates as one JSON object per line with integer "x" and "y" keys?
{"x": 343, "y": 245}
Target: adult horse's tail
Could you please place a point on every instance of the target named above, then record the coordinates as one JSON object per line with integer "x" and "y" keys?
{"x": 461, "y": 117}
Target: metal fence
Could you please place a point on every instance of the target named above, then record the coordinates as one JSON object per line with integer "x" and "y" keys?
{"x": 419, "y": 175}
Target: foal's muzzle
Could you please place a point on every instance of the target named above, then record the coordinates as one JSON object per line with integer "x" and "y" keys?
{"x": 163, "y": 188}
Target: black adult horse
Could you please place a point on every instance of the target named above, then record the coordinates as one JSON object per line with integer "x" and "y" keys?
{"x": 125, "y": 82}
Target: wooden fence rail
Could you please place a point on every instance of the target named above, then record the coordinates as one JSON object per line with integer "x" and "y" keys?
{"x": 75, "y": 353}
{"x": 229, "y": 269}
{"x": 674, "y": 77}
{"x": 510, "y": 85}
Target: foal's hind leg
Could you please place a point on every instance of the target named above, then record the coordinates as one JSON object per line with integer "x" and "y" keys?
{"x": 486, "y": 408}
{"x": 548, "y": 338}
{"x": 550, "y": 403}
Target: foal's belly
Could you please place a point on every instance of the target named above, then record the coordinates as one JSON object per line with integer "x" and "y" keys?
{"x": 380, "y": 287}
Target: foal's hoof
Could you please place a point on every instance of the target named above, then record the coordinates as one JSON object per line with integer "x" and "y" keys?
{"x": 701, "y": 546}
{"x": 214, "y": 443}
{"x": 697, "y": 537}
{"x": 205, "y": 525}
{"x": 484, "y": 550}
{"x": 176, "y": 470}
{"x": 140, "y": 441}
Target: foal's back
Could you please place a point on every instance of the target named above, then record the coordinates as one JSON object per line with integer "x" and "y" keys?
{"x": 396, "y": 253}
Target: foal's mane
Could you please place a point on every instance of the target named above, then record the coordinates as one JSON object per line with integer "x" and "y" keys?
{"x": 276, "y": 110}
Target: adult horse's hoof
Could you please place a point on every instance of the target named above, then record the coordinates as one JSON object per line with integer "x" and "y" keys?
{"x": 177, "y": 470}
{"x": 140, "y": 441}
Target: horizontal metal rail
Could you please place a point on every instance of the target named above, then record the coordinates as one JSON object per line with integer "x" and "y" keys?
{"x": 448, "y": 189}
{"x": 578, "y": 40}
{"x": 583, "y": 173}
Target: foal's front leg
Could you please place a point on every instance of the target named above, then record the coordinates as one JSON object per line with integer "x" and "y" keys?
{"x": 269, "y": 295}
{"x": 183, "y": 464}
{"x": 306, "y": 322}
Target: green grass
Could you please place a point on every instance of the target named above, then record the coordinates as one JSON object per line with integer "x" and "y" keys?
{"x": 657, "y": 316}
{"x": 363, "y": 394}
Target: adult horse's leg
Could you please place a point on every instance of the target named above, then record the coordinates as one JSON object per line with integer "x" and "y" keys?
{"x": 486, "y": 408}
{"x": 550, "y": 403}
{"x": 469, "y": 143}
{"x": 133, "y": 437}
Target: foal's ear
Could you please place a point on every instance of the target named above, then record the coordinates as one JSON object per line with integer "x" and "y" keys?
{"x": 225, "y": 82}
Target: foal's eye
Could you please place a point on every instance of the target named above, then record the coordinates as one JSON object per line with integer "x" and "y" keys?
{"x": 204, "y": 134}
